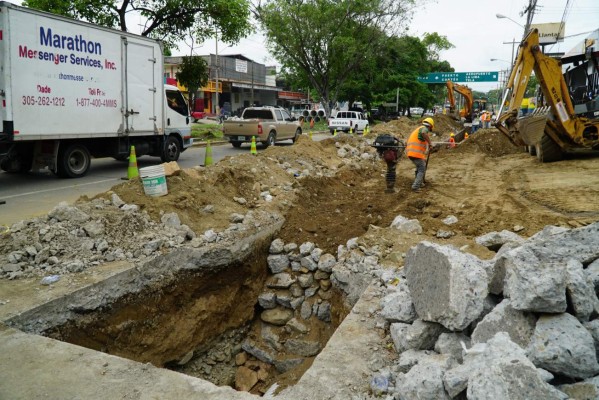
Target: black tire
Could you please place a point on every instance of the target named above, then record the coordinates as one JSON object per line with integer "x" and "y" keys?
{"x": 73, "y": 161}
{"x": 171, "y": 150}
{"x": 270, "y": 140}
{"x": 20, "y": 165}
{"x": 298, "y": 133}
{"x": 547, "y": 150}
{"x": 332, "y": 131}
{"x": 236, "y": 144}
{"x": 121, "y": 158}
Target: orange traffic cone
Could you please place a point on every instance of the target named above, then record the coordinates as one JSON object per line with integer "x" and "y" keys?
{"x": 132, "y": 171}
{"x": 253, "y": 146}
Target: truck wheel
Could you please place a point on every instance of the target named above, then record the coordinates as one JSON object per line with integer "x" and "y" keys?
{"x": 548, "y": 150}
{"x": 532, "y": 150}
{"x": 298, "y": 133}
{"x": 236, "y": 144}
{"x": 172, "y": 150}
{"x": 270, "y": 141}
{"x": 21, "y": 164}
{"x": 73, "y": 161}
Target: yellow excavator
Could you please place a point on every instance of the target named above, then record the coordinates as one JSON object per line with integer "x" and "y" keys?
{"x": 566, "y": 117}
{"x": 466, "y": 93}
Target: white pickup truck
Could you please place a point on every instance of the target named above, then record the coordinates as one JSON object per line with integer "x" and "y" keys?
{"x": 344, "y": 120}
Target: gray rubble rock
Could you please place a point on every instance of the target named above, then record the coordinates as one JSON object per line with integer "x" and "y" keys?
{"x": 306, "y": 248}
{"x": 562, "y": 345}
{"x": 282, "y": 280}
{"x": 425, "y": 380}
{"x": 398, "y": 330}
{"x": 450, "y": 220}
{"x": 278, "y": 263}
{"x": 290, "y": 247}
{"x": 285, "y": 365}
{"x": 547, "y": 232}
{"x": 236, "y": 218}
{"x": 326, "y": 263}
{"x": 405, "y": 225}
{"x": 494, "y": 240}
{"x": 447, "y": 286}
{"x": 593, "y": 328}
{"x": 397, "y": 305}
{"x": 276, "y": 316}
{"x": 487, "y": 372}
{"x": 277, "y": 246}
{"x": 422, "y": 335}
{"x": 306, "y": 310}
{"x": 302, "y": 348}
{"x": 519, "y": 325}
{"x": 315, "y": 254}
{"x": 324, "y": 311}
{"x": 116, "y": 200}
{"x": 309, "y": 263}
{"x": 535, "y": 286}
{"x": 513, "y": 378}
{"x": 580, "y": 290}
{"x": 171, "y": 219}
{"x": 305, "y": 280}
{"x": 452, "y": 344}
{"x": 251, "y": 348}
{"x": 94, "y": 229}
{"x": 64, "y": 212}
{"x": 546, "y": 247}
{"x": 580, "y": 390}
{"x": 409, "y": 358}
{"x": 592, "y": 272}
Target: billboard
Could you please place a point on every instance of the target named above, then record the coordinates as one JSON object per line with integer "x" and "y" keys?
{"x": 551, "y": 32}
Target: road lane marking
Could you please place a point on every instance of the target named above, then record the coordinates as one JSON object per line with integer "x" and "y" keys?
{"x": 60, "y": 188}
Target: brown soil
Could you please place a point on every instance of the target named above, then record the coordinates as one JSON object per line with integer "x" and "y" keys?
{"x": 487, "y": 182}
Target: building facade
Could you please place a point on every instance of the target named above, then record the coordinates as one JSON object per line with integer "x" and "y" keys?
{"x": 235, "y": 82}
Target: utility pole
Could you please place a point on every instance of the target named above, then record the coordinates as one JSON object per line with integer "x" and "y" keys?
{"x": 252, "y": 101}
{"x": 216, "y": 107}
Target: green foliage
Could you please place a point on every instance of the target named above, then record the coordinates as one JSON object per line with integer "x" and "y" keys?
{"x": 531, "y": 86}
{"x": 323, "y": 42}
{"x": 168, "y": 20}
{"x": 202, "y": 132}
{"x": 193, "y": 74}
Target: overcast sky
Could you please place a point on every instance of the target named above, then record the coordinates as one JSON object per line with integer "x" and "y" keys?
{"x": 473, "y": 28}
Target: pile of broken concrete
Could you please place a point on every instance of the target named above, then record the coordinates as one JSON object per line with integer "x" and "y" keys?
{"x": 519, "y": 326}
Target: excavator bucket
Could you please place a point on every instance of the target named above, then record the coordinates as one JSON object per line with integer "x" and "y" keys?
{"x": 531, "y": 128}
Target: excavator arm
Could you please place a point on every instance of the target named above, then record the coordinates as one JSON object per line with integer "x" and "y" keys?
{"x": 561, "y": 125}
{"x": 466, "y": 93}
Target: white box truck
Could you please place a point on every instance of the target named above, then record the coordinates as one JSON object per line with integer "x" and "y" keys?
{"x": 71, "y": 91}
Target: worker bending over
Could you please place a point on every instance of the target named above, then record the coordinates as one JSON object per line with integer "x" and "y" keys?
{"x": 417, "y": 148}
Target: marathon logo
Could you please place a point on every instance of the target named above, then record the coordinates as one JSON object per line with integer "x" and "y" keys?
{"x": 73, "y": 43}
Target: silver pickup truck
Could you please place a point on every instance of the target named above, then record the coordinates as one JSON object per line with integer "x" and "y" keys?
{"x": 267, "y": 124}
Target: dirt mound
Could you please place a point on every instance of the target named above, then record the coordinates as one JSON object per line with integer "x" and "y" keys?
{"x": 402, "y": 127}
{"x": 490, "y": 142}
{"x": 444, "y": 125}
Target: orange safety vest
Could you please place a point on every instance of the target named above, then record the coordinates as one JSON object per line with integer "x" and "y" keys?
{"x": 416, "y": 148}
{"x": 451, "y": 143}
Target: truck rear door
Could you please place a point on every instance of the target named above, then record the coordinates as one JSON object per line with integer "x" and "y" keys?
{"x": 142, "y": 93}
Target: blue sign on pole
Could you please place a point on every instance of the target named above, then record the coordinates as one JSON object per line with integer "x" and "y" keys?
{"x": 441, "y": 77}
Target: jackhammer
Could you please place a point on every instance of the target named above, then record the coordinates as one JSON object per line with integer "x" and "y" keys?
{"x": 390, "y": 149}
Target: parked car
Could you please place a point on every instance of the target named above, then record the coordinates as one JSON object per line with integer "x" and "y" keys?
{"x": 346, "y": 120}
{"x": 267, "y": 124}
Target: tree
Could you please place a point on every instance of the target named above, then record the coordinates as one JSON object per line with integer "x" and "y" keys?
{"x": 324, "y": 41}
{"x": 167, "y": 20}
{"x": 193, "y": 74}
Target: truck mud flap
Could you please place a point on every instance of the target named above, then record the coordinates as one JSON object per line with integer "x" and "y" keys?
{"x": 532, "y": 128}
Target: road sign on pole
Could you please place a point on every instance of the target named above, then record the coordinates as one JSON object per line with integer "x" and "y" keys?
{"x": 441, "y": 77}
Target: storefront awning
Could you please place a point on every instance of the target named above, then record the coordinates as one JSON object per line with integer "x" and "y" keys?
{"x": 255, "y": 86}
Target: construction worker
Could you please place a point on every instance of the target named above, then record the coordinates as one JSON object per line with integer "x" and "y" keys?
{"x": 451, "y": 144}
{"x": 419, "y": 144}
{"x": 486, "y": 120}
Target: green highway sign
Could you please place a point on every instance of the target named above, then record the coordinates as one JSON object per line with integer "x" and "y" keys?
{"x": 441, "y": 77}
